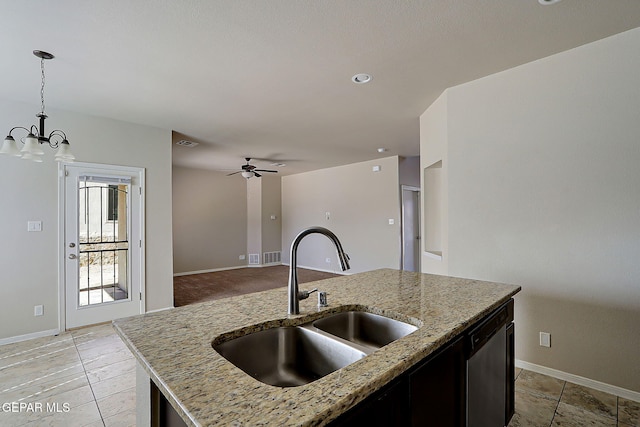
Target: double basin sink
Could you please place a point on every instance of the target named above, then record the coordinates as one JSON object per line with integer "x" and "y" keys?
{"x": 289, "y": 356}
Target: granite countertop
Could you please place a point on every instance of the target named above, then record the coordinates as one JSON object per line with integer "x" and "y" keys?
{"x": 174, "y": 346}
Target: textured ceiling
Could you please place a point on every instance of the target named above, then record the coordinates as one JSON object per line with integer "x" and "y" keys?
{"x": 271, "y": 79}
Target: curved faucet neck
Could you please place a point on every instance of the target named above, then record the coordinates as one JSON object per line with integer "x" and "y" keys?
{"x": 293, "y": 292}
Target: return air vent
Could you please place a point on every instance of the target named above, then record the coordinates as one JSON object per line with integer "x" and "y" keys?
{"x": 254, "y": 259}
{"x": 185, "y": 143}
{"x": 271, "y": 257}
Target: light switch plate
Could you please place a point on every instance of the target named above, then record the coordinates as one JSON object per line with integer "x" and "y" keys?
{"x": 34, "y": 225}
{"x": 38, "y": 310}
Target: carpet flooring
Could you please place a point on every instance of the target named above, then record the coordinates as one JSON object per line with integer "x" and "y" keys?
{"x": 195, "y": 288}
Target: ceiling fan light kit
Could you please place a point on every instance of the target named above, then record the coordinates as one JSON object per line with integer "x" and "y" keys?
{"x": 249, "y": 171}
{"x": 32, "y": 149}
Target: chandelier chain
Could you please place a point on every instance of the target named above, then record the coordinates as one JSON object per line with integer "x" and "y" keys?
{"x": 42, "y": 86}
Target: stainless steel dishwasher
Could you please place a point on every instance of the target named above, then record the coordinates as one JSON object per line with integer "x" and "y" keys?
{"x": 486, "y": 373}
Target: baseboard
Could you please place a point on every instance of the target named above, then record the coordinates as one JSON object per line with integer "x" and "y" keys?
{"x": 576, "y": 379}
{"x": 264, "y": 265}
{"x": 31, "y": 336}
{"x": 212, "y": 270}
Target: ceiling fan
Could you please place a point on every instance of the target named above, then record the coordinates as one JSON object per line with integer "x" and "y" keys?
{"x": 248, "y": 170}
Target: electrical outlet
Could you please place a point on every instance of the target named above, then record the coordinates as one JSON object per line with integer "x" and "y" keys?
{"x": 545, "y": 339}
{"x": 38, "y": 310}
{"x": 327, "y": 260}
{"x": 327, "y": 215}
{"x": 242, "y": 257}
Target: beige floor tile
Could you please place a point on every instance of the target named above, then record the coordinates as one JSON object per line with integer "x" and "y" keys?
{"x": 539, "y": 383}
{"x": 14, "y": 381}
{"x": 532, "y": 409}
{"x": 107, "y": 359}
{"x": 100, "y": 347}
{"x": 38, "y": 363}
{"x": 39, "y": 390}
{"x": 92, "y": 332}
{"x": 58, "y": 405}
{"x": 76, "y": 417}
{"x": 126, "y": 366}
{"x": 116, "y": 403}
{"x": 597, "y": 402}
{"x": 34, "y": 345}
{"x": 114, "y": 385}
{"x": 628, "y": 412}
{"x": 572, "y": 416}
{"x": 123, "y": 419}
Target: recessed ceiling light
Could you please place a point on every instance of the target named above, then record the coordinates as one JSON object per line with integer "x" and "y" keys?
{"x": 361, "y": 78}
{"x": 185, "y": 143}
{"x": 547, "y": 2}
{"x": 278, "y": 165}
{"x": 381, "y": 150}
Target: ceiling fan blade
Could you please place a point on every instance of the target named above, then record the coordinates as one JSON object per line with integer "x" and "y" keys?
{"x": 256, "y": 174}
{"x": 265, "y": 170}
{"x": 233, "y": 173}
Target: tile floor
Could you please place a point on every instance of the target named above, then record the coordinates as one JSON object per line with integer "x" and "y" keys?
{"x": 87, "y": 377}
{"x": 550, "y": 402}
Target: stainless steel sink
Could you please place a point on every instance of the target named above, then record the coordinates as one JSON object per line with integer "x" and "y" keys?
{"x": 288, "y": 356}
{"x": 365, "y": 329}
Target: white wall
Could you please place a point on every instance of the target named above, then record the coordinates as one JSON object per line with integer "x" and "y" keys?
{"x": 29, "y": 261}
{"x": 544, "y": 192}
{"x": 360, "y": 203}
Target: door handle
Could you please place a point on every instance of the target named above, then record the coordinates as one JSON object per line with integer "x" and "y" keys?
{"x": 73, "y": 256}
{"x": 72, "y": 245}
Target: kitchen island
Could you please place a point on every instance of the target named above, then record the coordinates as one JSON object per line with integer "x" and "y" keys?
{"x": 174, "y": 347}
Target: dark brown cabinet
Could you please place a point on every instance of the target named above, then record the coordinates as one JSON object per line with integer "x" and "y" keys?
{"x": 435, "y": 391}
{"x": 438, "y": 388}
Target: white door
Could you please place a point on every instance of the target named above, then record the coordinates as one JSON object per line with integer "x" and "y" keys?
{"x": 103, "y": 243}
{"x": 410, "y": 228}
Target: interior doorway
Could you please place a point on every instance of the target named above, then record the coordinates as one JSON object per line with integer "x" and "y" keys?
{"x": 101, "y": 259}
{"x": 410, "y": 228}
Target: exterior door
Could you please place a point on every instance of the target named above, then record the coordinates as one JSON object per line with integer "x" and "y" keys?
{"x": 102, "y": 244}
{"x": 410, "y": 228}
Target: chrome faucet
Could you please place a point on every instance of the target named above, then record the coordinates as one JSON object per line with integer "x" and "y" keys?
{"x": 294, "y": 295}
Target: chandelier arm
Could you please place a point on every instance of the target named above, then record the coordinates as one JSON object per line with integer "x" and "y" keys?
{"x": 19, "y": 127}
{"x": 61, "y": 136}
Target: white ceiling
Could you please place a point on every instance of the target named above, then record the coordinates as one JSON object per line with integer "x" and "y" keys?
{"x": 271, "y": 79}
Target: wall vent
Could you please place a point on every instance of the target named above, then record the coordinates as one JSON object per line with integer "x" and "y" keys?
{"x": 271, "y": 257}
{"x": 254, "y": 259}
{"x": 185, "y": 143}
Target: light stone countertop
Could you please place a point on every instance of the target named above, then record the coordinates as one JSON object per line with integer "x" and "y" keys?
{"x": 174, "y": 346}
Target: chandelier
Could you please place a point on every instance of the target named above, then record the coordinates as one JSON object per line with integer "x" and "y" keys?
{"x": 36, "y": 137}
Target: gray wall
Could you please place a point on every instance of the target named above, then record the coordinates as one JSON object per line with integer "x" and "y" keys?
{"x": 271, "y": 205}
{"x": 360, "y": 203}
{"x": 29, "y": 261}
{"x": 209, "y": 220}
{"x": 543, "y": 191}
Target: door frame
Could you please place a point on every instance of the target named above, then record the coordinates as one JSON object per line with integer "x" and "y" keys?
{"x": 402, "y": 225}
{"x": 141, "y": 172}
